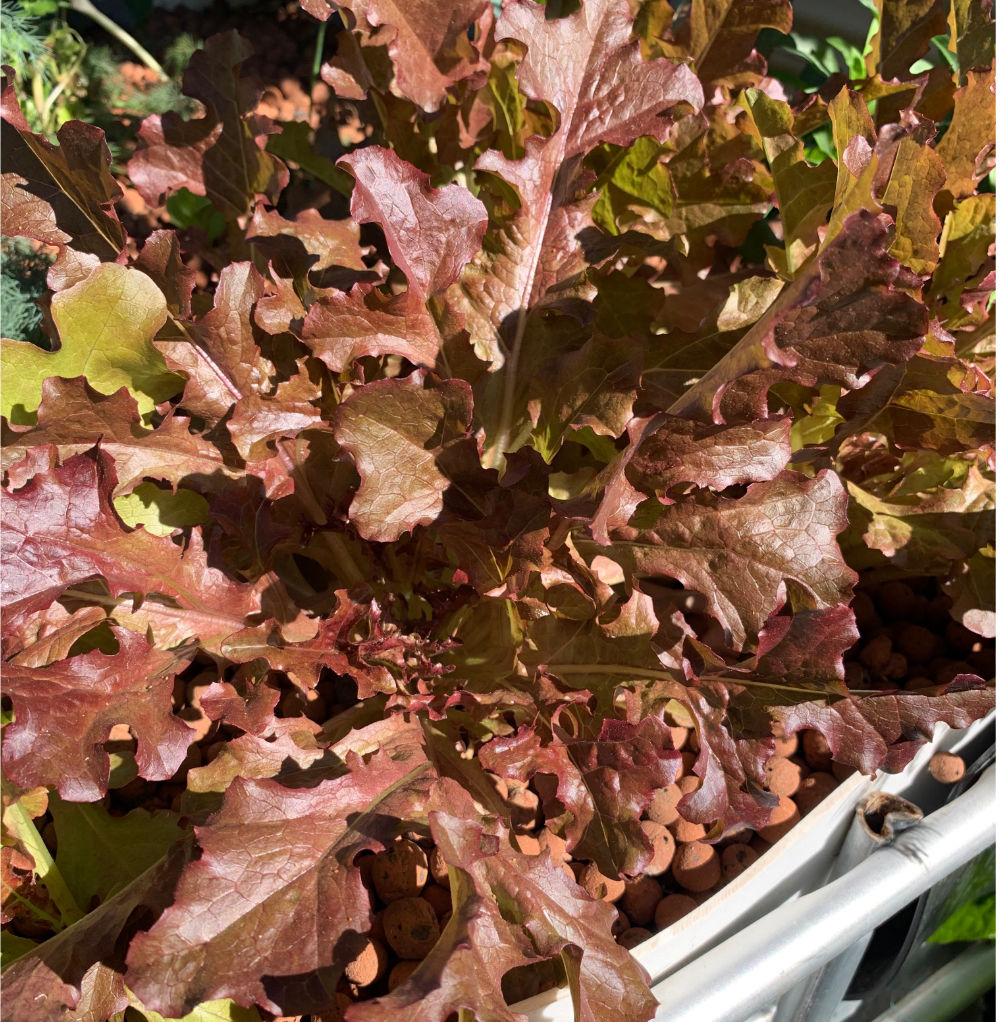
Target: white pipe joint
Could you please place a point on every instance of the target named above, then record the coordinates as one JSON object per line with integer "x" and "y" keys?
{"x": 750, "y": 970}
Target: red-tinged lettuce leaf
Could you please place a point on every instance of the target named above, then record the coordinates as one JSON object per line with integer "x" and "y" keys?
{"x": 73, "y": 418}
{"x": 512, "y": 909}
{"x": 61, "y": 530}
{"x": 216, "y": 155}
{"x": 972, "y": 587}
{"x": 106, "y": 324}
{"x": 99, "y": 854}
{"x": 804, "y": 192}
{"x": 971, "y": 134}
{"x": 917, "y": 176}
{"x": 577, "y": 64}
{"x": 922, "y": 405}
{"x": 379, "y": 662}
{"x": 745, "y": 556}
{"x": 397, "y": 431}
{"x": 973, "y": 32}
{"x": 343, "y": 327}
{"x": 715, "y": 457}
{"x": 59, "y": 194}
{"x": 310, "y": 242}
{"x": 65, "y": 711}
{"x": 905, "y": 30}
{"x": 289, "y": 746}
{"x": 61, "y": 975}
{"x": 432, "y": 233}
{"x": 34, "y": 640}
{"x": 834, "y": 325}
{"x": 605, "y": 783}
{"x": 718, "y": 35}
{"x": 601, "y": 656}
{"x": 593, "y": 386}
{"x": 160, "y": 259}
{"x": 427, "y": 43}
{"x": 731, "y": 767}
{"x": 497, "y": 530}
{"x": 929, "y": 525}
{"x": 280, "y": 905}
{"x": 226, "y": 368}
{"x": 247, "y": 702}
{"x": 805, "y": 652}
{"x": 885, "y": 731}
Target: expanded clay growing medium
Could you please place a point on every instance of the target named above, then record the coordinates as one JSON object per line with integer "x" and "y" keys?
{"x": 916, "y": 645}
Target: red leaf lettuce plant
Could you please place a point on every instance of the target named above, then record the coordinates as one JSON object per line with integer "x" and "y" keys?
{"x": 591, "y": 433}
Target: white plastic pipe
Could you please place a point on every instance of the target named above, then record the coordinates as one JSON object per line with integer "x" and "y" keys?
{"x": 879, "y": 820}
{"x": 752, "y": 969}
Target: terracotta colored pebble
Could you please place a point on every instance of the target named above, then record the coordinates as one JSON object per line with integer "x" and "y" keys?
{"x": 959, "y": 638}
{"x": 735, "y": 836}
{"x": 895, "y": 600}
{"x": 917, "y": 644}
{"x": 598, "y": 886}
{"x": 783, "y": 776}
{"x": 946, "y": 674}
{"x": 401, "y": 972}
{"x": 759, "y": 845}
{"x": 527, "y": 844}
{"x": 411, "y": 927}
{"x": 400, "y": 871}
{"x": 567, "y": 868}
{"x": 939, "y": 609}
{"x": 875, "y": 654}
{"x": 684, "y": 831}
{"x": 368, "y": 965}
{"x": 365, "y": 861}
{"x": 634, "y": 936}
{"x": 642, "y": 894}
{"x": 663, "y": 808}
{"x": 439, "y": 898}
{"x": 663, "y": 847}
{"x": 678, "y": 737}
{"x": 688, "y": 784}
{"x": 864, "y": 610}
{"x": 813, "y": 790}
{"x": 786, "y": 746}
{"x": 735, "y": 859}
{"x": 524, "y": 806}
{"x": 621, "y": 923}
{"x": 783, "y": 817}
{"x": 816, "y": 750}
{"x": 671, "y": 908}
{"x": 696, "y": 867}
{"x": 854, "y": 674}
{"x": 688, "y": 760}
{"x": 438, "y": 867}
{"x": 554, "y": 845}
{"x": 545, "y": 786}
{"x": 897, "y": 668}
{"x": 947, "y": 767}
{"x": 916, "y": 684}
